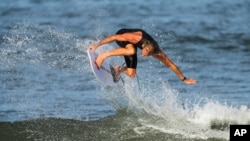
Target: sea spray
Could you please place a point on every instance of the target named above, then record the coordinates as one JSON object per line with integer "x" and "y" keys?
{"x": 216, "y": 115}
{"x": 46, "y": 74}
{"x": 159, "y": 107}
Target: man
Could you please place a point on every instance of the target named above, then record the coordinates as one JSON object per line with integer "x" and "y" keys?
{"x": 129, "y": 40}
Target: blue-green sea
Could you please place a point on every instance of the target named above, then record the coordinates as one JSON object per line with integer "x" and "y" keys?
{"x": 48, "y": 91}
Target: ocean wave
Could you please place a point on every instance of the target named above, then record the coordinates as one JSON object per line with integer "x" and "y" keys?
{"x": 120, "y": 127}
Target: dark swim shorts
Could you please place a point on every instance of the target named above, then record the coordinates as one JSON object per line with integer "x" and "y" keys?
{"x": 131, "y": 60}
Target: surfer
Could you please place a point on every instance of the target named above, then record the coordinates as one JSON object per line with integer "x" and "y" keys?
{"x": 129, "y": 40}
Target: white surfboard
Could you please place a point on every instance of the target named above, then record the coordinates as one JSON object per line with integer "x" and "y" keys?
{"x": 104, "y": 73}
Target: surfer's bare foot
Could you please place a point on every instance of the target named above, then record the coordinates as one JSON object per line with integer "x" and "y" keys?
{"x": 117, "y": 69}
{"x": 116, "y": 73}
{"x": 99, "y": 60}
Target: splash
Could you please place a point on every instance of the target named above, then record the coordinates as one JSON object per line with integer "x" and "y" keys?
{"x": 40, "y": 44}
{"x": 220, "y": 116}
{"x": 161, "y": 108}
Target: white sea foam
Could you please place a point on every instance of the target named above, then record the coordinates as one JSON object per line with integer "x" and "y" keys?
{"x": 166, "y": 112}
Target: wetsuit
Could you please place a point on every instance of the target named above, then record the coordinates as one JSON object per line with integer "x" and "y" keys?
{"x": 131, "y": 60}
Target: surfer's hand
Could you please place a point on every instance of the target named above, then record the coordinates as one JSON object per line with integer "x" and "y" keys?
{"x": 190, "y": 81}
{"x": 93, "y": 47}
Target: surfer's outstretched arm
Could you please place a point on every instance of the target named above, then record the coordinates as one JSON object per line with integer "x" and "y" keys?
{"x": 165, "y": 60}
{"x": 107, "y": 40}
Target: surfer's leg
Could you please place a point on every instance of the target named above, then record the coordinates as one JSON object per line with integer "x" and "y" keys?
{"x": 128, "y": 71}
{"x": 129, "y": 49}
{"x": 131, "y": 64}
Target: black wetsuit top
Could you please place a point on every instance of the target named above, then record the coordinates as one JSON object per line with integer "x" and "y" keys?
{"x": 131, "y": 61}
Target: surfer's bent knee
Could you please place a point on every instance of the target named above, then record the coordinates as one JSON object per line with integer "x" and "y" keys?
{"x": 131, "y": 72}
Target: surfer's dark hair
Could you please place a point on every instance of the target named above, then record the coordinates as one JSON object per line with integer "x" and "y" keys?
{"x": 149, "y": 43}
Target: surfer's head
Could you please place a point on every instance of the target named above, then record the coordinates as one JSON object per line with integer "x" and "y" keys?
{"x": 147, "y": 48}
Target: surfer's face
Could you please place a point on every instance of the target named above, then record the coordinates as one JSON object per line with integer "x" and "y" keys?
{"x": 147, "y": 50}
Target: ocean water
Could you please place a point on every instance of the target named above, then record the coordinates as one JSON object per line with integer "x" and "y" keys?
{"x": 48, "y": 92}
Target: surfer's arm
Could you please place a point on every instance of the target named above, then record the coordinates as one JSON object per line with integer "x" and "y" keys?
{"x": 108, "y": 40}
{"x": 165, "y": 60}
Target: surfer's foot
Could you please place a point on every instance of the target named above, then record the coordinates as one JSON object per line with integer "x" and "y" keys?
{"x": 116, "y": 73}
{"x": 99, "y": 60}
{"x": 117, "y": 69}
